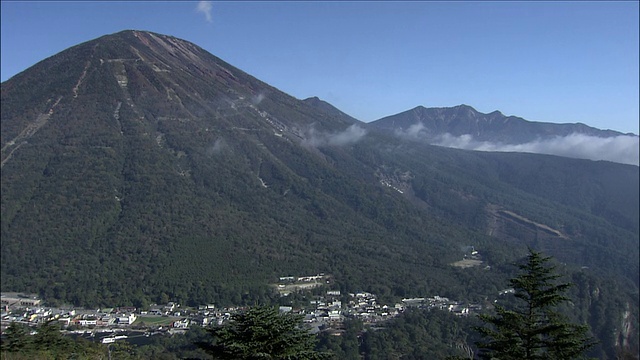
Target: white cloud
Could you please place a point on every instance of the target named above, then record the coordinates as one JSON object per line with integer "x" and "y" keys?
{"x": 350, "y": 135}
{"x": 205, "y": 8}
{"x": 414, "y": 131}
{"x": 218, "y": 146}
{"x": 621, "y": 149}
{"x": 257, "y": 99}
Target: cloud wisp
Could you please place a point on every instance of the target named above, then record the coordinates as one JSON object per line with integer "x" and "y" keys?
{"x": 257, "y": 99}
{"x": 350, "y": 135}
{"x": 415, "y": 131}
{"x": 205, "y": 8}
{"x": 217, "y": 147}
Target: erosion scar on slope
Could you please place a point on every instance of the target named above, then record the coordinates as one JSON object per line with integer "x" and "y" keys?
{"x": 28, "y": 132}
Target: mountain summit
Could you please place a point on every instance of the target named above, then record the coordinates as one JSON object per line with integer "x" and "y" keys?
{"x": 139, "y": 168}
{"x": 131, "y": 70}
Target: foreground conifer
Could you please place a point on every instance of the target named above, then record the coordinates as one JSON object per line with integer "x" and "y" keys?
{"x": 534, "y": 329}
{"x": 263, "y": 333}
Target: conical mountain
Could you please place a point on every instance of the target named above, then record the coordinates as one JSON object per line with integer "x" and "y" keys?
{"x": 138, "y": 168}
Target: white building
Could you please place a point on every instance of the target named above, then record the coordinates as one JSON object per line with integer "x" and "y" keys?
{"x": 126, "y": 319}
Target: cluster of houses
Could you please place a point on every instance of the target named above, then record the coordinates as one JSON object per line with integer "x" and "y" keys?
{"x": 34, "y": 315}
{"x": 323, "y": 311}
{"x": 28, "y": 310}
{"x": 442, "y": 303}
{"x": 333, "y": 307}
{"x": 329, "y": 311}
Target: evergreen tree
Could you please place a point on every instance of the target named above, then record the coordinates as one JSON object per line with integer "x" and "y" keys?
{"x": 16, "y": 338}
{"x": 534, "y": 329}
{"x": 263, "y": 333}
{"x": 49, "y": 338}
{"x": 47, "y": 343}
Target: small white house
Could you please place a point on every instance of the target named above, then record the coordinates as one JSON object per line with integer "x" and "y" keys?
{"x": 181, "y": 324}
{"x": 88, "y": 322}
{"x": 126, "y": 319}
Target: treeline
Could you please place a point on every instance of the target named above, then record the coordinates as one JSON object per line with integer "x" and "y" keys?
{"x": 48, "y": 343}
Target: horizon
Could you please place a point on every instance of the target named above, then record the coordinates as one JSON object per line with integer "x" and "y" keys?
{"x": 546, "y": 62}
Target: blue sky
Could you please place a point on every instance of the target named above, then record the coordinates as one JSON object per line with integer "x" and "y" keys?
{"x": 561, "y": 62}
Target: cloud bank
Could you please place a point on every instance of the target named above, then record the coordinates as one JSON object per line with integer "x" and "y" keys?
{"x": 350, "y": 135}
{"x": 205, "y": 8}
{"x": 622, "y": 149}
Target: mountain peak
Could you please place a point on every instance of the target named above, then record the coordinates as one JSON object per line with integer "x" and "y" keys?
{"x": 465, "y": 107}
{"x": 159, "y": 80}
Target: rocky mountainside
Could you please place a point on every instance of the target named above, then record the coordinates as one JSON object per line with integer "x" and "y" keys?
{"x": 139, "y": 168}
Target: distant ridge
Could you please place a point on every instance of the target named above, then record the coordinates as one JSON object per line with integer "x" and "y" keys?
{"x": 494, "y": 127}
{"x": 465, "y": 128}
